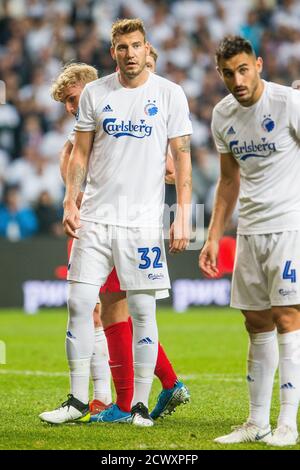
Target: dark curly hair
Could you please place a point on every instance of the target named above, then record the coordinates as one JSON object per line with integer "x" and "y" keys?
{"x": 231, "y": 46}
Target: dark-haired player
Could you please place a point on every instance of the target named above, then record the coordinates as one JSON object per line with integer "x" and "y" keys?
{"x": 256, "y": 129}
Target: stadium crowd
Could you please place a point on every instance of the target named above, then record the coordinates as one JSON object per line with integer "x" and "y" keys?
{"x": 38, "y": 36}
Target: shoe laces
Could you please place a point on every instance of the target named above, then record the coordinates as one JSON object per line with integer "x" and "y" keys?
{"x": 67, "y": 402}
{"x": 109, "y": 411}
{"x": 140, "y": 409}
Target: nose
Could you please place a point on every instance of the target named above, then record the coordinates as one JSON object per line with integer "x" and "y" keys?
{"x": 130, "y": 52}
{"x": 238, "y": 79}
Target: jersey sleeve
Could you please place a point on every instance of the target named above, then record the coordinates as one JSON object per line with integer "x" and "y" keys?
{"x": 294, "y": 112}
{"x": 219, "y": 142}
{"x": 179, "y": 122}
{"x": 85, "y": 120}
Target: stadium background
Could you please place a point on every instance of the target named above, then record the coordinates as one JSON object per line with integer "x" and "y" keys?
{"x": 36, "y": 38}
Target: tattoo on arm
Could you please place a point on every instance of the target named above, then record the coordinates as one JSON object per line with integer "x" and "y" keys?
{"x": 188, "y": 183}
{"x": 77, "y": 177}
{"x": 185, "y": 144}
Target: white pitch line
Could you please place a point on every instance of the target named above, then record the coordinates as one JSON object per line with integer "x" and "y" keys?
{"x": 40, "y": 373}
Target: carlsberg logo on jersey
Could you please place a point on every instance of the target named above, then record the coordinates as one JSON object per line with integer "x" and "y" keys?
{"x": 129, "y": 128}
{"x": 247, "y": 150}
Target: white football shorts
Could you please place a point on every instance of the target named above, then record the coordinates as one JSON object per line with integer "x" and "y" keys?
{"x": 138, "y": 255}
{"x": 266, "y": 271}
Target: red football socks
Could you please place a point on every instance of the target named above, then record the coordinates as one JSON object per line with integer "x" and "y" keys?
{"x": 119, "y": 342}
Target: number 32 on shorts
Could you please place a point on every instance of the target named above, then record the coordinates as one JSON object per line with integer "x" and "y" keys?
{"x": 149, "y": 256}
{"x": 289, "y": 273}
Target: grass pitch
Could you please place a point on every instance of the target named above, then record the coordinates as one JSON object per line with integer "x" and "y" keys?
{"x": 206, "y": 346}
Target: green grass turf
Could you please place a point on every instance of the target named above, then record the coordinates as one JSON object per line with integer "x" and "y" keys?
{"x": 207, "y": 347}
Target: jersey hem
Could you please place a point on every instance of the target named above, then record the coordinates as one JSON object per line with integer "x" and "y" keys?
{"x": 119, "y": 224}
{"x": 266, "y": 232}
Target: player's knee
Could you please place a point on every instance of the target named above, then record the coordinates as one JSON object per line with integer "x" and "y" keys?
{"x": 79, "y": 307}
{"x": 141, "y": 306}
{"x": 286, "y": 318}
{"x": 258, "y": 326}
{"x": 258, "y": 321}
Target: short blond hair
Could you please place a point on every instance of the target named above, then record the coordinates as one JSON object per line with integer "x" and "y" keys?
{"x": 126, "y": 26}
{"x": 153, "y": 53}
{"x": 72, "y": 74}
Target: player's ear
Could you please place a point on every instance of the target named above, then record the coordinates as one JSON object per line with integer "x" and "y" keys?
{"x": 259, "y": 64}
{"x": 147, "y": 46}
{"x": 112, "y": 52}
{"x": 219, "y": 72}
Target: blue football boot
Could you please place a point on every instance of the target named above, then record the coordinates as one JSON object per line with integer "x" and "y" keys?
{"x": 169, "y": 399}
{"x": 113, "y": 414}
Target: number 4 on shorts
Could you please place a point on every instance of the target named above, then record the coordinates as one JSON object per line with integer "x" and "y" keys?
{"x": 289, "y": 273}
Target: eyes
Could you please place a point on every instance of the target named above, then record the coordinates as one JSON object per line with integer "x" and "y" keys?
{"x": 241, "y": 71}
{"x": 123, "y": 48}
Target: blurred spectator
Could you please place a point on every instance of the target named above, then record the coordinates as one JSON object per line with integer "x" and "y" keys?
{"x": 49, "y": 217}
{"x": 16, "y": 222}
{"x": 252, "y": 30}
{"x": 38, "y": 36}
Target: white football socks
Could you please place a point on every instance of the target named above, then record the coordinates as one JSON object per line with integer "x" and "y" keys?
{"x": 262, "y": 365}
{"x": 100, "y": 371}
{"x": 82, "y": 299}
{"x": 289, "y": 373}
{"x": 142, "y": 307}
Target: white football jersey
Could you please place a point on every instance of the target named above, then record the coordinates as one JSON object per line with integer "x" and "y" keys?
{"x": 264, "y": 140}
{"x": 125, "y": 181}
{"x": 71, "y": 137}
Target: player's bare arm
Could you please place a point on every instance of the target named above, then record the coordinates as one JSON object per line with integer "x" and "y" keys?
{"x": 170, "y": 170}
{"x": 180, "y": 232}
{"x": 76, "y": 174}
{"x": 64, "y": 161}
{"x": 225, "y": 201}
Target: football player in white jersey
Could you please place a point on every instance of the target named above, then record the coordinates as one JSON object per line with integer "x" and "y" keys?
{"x": 124, "y": 125}
{"x": 256, "y": 129}
{"x": 67, "y": 89}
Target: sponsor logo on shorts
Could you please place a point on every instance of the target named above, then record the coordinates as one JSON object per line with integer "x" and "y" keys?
{"x": 285, "y": 292}
{"x": 154, "y": 277}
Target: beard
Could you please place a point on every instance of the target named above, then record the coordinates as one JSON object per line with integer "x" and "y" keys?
{"x": 132, "y": 73}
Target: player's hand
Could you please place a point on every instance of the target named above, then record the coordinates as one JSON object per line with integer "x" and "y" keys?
{"x": 208, "y": 258}
{"x": 170, "y": 178}
{"x": 71, "y": 219}
{"x": 179, "y": 236}
{"x": 79, "y": 199}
